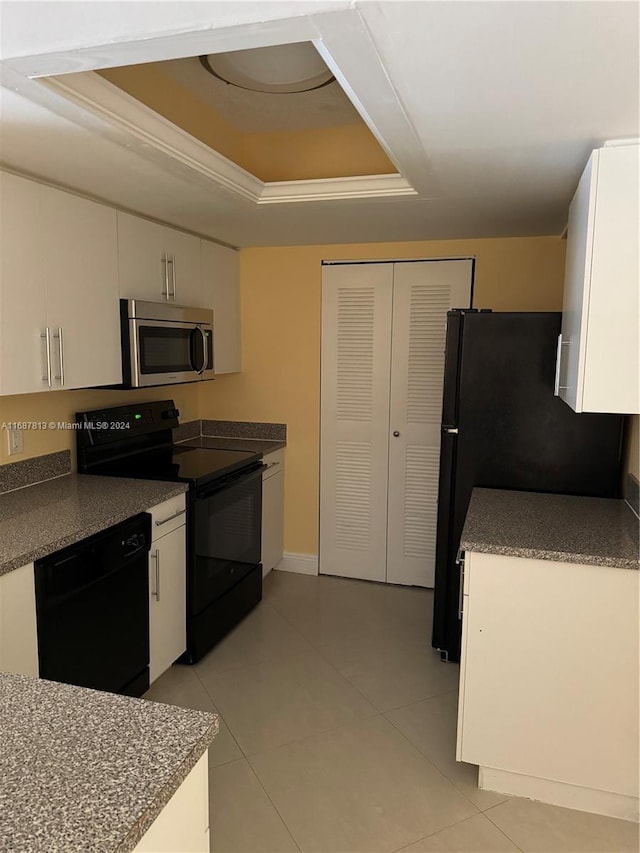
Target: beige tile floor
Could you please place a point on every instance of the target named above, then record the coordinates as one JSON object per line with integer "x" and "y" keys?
{"x": 337, "y": 735}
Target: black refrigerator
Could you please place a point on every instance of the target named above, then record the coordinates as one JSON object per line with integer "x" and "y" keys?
{"x": 503, "y": 428}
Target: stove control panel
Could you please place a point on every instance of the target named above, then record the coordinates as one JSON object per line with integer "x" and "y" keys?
{"x": 123, "y": 424}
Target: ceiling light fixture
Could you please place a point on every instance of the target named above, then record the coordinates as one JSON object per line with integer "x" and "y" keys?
{"x": 283, "y": 69}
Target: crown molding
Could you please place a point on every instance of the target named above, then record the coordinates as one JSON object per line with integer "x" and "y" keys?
{"x": 145, "y": 131}
{"x": 322, "y": 189}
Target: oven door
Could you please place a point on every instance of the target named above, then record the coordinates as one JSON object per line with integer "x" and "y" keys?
{"x": 166, "y": 353}
{"x": 226, "y": 531}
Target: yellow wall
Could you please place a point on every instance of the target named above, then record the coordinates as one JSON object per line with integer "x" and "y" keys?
{"x": 150, "y": 85}
{"x": 322, "y": 152}
{"x": 62, "y": 405}
{"x": 280, "y": 381}
{"x": 326, "y": 152}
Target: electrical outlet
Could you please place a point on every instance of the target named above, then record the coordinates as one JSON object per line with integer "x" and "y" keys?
{"x": 16, "y": 443}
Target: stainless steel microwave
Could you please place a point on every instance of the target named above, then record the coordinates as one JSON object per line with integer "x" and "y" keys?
{"x": 165, "y": 344}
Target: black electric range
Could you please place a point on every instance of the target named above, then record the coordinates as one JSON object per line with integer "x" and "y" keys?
{"x": 224, "y": 508}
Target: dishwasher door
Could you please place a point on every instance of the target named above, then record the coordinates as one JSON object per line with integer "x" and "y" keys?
{"x": 92, "y": 604}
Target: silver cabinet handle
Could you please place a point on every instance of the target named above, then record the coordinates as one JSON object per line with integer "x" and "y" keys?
{"x": 165, "y": 263}
{"x": 170, "y": 518}
{"x": 460, "y": 562}
{"x": 47, "y": 339}
{"x": 156, "y": 593}
{"x": 450, "y": 430}
{"x": 60, "y": 339}
{"x": 173, "y": 276}
{"x": 557, "y": 387}
{"x": 272, "y": 465}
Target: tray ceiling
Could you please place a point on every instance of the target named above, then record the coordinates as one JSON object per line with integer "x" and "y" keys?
{"x": 488, "y": 109}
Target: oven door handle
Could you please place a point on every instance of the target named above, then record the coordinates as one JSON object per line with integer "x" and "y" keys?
{"x": 230, "y": 480}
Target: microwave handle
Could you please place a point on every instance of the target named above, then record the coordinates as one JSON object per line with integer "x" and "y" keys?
{"x": 205, "y": 350}
{"x": 199, "y": 369}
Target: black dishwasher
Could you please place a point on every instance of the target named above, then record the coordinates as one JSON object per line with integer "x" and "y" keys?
{"x": 92, "y": 605}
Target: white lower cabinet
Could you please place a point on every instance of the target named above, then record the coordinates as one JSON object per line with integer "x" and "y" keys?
{"x": 272, "y": 511}
{"x": 548, "y": 704}
{"x": 18, "y": 635}
{"x": 167, "y": 587}
{"x": 183, "y": 824}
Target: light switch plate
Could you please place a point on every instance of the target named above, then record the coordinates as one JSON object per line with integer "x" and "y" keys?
{"x": 16, "y": 442}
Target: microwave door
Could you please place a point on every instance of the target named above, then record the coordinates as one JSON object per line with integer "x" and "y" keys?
{"x": 161, "y": 353}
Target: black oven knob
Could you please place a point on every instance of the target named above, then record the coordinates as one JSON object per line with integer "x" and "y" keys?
{"x": 169, "y": 414}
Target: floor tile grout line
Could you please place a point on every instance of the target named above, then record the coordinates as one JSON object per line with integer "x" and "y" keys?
{"x": 450, "y": 826}
{"x": 351, "y": 722}
{"x": 277, "y": 811}
{"x": 425, "y": 756}
{"x": 217, "y": 711}
{"x": 499, "y": 828}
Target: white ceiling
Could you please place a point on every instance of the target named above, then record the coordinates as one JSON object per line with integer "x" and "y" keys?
{"x": 489, "y": 108}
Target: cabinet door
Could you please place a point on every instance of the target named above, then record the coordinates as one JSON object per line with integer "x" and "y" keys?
{"x": 544, "y": 695}
{"x": 142, "y": 251}
{"x": 221, "y": 291}
{"x": 612, "y": 374}
{"x": 599, "y": 353}
{"x": 272, "y": 511}
{"x": 23, "y": 365}
{"x": 185, "y": 271}
{"x": 81, "y": 278}
{"x": 422, "y": 294}
{"x": 167, "y": 601}
{"x": 183, "y": 824}
{"x": 575, "y": 309}
{"x": 18, "y": 632}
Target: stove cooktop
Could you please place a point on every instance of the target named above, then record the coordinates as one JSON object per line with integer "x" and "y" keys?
{"x": 194, "y": 465}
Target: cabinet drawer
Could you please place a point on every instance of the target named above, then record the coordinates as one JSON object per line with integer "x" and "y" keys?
{"x": 274, "y": 462}
{"x": 167, "y": 516}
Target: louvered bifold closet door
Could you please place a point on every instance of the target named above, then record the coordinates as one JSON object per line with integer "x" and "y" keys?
{"x": 354, "y": 444}
{"x": 423, "y": 293}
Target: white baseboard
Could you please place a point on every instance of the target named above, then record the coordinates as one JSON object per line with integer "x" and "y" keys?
{"x": 300, "y": 564}
{"x": 559, "y": 793}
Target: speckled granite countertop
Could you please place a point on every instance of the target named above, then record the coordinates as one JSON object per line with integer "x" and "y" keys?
{"x": 83, "y": 770}
{"x": 254, "y": 445}
{"x": 41, "y": 519}
{"x": 595, "y": 531}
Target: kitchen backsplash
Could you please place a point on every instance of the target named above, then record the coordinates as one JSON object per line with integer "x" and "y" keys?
{"x": 231, "y": 429}
{"x": 16, "y": 475}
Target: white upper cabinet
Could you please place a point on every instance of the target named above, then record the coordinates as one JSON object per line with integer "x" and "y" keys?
{"x": 598, "y": 353}
{"x": 22, "y": 303}
{"x": 81, "y": 283}
{"x": 59, "y": 321}
{"x": 157, "y": 263}
{"x": 221, "y": 291}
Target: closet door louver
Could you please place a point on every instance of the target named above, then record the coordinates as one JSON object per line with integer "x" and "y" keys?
{"x": 356, "y": 341}
{"x": 423, "y": 293}
{"x": 383, "y": 340}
